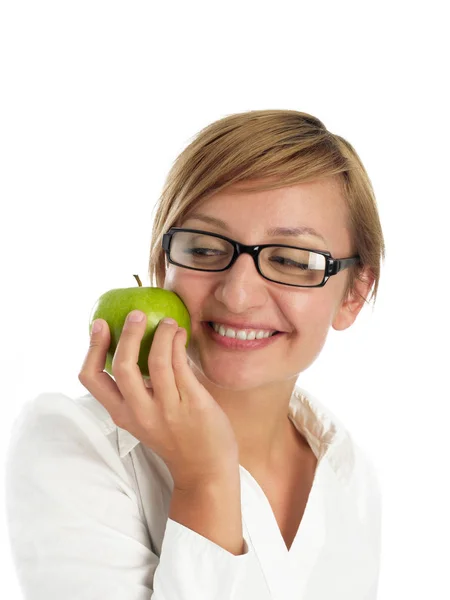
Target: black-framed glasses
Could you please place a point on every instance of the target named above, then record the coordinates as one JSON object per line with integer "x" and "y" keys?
{"x": 289, "y": 265}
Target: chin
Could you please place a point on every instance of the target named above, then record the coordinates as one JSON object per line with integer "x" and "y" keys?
{"x": 230, "y": 378}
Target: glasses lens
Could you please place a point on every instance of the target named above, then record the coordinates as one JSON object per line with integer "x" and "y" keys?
{"x": 284, "y": 265}
{"x": 200, "y": 251}
{"x": 292, "y": 265}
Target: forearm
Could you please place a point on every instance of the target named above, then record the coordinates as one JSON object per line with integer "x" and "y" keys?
{"x": 213, "y": 511}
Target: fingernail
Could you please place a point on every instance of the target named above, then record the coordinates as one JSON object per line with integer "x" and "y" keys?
{"x": 135, "y": 316}
{"x": 169, "y": 321}
{"x": 96, "y": 326}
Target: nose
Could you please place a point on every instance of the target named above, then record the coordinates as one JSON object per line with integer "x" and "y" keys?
{"x": 241, "y": 287}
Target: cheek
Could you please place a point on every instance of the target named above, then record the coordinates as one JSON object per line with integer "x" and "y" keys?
{"x": 308, "y": 308}
{"x": 193, "y": 296}
{"x": 313, "y": 326}
{"x": 170, "y": 278}
{"x": 311, "y": 316}
{"x": 184, "y": 280}
{"x": 178, "y": 281}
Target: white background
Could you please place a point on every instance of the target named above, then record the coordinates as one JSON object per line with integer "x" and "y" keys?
{"x": 98, "y": 99}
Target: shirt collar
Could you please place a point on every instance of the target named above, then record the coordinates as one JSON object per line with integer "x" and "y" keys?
{"x": 324, "y": 432}
{"x": 322, "y": 429}
{"x": 126, "y": 442}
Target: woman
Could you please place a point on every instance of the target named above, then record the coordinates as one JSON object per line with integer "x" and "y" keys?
{"x": 222, "y": 479}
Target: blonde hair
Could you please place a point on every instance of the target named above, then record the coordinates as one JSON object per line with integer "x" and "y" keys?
{"x": 277, "y": 148}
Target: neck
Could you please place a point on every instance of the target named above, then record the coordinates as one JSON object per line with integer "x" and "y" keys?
{"x": 259, "y": 418}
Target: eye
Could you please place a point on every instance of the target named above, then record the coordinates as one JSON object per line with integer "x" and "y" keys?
{"x": 203, "y": 251}
{"x": 289, "y": 263}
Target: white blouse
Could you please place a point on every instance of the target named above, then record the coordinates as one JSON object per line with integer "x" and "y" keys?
{"x": 87, "y": 512}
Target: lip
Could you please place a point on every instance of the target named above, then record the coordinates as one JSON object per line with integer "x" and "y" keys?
{"x": 237, "y": 326}
{"x": 235, "y": 344}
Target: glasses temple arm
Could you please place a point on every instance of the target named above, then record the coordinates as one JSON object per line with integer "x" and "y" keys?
{"x": 337, "y": 265}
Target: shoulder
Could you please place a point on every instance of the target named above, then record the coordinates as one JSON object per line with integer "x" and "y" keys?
{"x": 58, "y": 406}
{"x": 54, "y": 418}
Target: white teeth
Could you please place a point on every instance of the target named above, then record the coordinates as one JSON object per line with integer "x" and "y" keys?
{"x": 240, "y": 334}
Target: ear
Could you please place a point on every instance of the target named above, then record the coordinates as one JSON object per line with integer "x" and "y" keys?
{"x": 350, "y": 306}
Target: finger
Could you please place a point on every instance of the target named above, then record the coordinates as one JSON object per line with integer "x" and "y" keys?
{"x": 185, "y": 379}
{"x": 160, "y": 363}
{"x": 93, "y": 377}
{"x": 148, "y": 382}
{"x": 125, "y": 367}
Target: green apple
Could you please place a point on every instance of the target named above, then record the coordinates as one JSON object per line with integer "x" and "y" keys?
{"x": 156, "y": 303}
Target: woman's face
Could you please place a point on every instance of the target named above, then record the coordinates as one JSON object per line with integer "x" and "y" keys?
{"x": 241, "y": 294}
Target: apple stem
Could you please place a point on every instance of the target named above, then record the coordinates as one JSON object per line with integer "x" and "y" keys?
{"x": 138, "y": 280}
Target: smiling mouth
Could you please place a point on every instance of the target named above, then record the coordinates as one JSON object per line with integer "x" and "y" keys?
{"x": 209, "y": 323}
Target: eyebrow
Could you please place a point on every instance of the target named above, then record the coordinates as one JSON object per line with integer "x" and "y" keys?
{"x": 273, "y": 231}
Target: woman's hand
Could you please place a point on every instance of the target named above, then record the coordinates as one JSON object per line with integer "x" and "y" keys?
{"x": 177, "y": 417}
